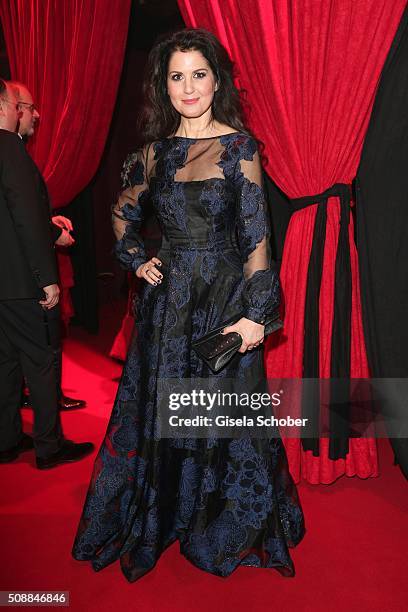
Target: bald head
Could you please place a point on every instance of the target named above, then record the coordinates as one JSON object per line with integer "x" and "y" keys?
{"x": 29, "y": 114}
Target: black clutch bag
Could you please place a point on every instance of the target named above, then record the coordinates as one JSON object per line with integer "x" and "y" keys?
{"x": 217, "y": 349}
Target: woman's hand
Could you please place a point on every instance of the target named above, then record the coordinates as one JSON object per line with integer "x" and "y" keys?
{"x": 149, "y": 271}
{"x": 252, "y": 333}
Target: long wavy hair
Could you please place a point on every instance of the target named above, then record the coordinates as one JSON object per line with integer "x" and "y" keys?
{"x": 159, "y": 119}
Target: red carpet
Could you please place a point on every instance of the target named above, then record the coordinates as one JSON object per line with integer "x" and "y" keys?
{"x": 353, "y": 557}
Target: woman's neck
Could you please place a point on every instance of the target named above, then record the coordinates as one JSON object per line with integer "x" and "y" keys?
{"x": 200, "y": 128}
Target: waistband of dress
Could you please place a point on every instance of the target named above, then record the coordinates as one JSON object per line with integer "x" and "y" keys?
{"x": 221, "y": 248}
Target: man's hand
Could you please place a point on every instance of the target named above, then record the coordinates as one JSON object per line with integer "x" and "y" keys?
{"x": 65, "y": 239}
{"x": 52, "y": 296}
{"x": 63, "y": 222}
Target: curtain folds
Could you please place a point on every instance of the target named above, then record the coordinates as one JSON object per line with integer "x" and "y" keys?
{"x": 70, "y": 55}
{"x": 310, "y": 70}
{"x": 382, "y": 222}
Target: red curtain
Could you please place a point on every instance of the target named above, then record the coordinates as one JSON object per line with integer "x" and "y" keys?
{"x": 310, "y": 70}
{"x": 70, "y": 56}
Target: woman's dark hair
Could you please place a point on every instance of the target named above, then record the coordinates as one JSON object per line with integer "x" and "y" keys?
{"x": 158, "y": 118}
{"x": 3, "y": 87}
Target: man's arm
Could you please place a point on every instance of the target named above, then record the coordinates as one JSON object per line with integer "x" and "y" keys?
{"x": 30, "y": 217}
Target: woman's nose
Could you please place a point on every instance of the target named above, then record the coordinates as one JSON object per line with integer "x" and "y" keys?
{"x": 188, "y": 85}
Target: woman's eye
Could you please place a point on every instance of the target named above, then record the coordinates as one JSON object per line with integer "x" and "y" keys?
{"x": 200, "y": 75}
{"x": 176, "y": 77}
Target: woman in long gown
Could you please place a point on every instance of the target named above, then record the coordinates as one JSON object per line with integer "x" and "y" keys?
{"x": 227, "y": 502}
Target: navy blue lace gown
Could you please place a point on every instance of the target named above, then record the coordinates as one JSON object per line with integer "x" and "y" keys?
{"x": 227, "y": 502}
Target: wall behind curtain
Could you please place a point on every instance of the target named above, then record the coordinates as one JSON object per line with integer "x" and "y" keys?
{"x": 147, "y": 22}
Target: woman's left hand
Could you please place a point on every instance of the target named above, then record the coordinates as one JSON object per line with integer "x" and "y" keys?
{"x": 252, "y": 333}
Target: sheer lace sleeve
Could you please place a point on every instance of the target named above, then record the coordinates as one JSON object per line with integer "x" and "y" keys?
{"x": 128, "y": 214}
{"x": 261, "y": 292}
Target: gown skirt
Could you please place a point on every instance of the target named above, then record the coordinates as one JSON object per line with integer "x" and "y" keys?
{"x": 228, "y": 502}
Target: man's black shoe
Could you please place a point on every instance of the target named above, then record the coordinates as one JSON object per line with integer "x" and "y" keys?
{"x": 65, "y": 403}
{"x": 68, "y": 453}
{"x": 26, "y": 443}
{"x": 69, "y": 403}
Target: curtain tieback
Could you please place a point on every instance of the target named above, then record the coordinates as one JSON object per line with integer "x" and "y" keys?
{"x": 341, "y": 330}
{"x": 340, "y": 190}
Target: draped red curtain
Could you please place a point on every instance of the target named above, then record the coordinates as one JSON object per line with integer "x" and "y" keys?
{"x": 310, "y": 70}
{"x": 70, "y": 56}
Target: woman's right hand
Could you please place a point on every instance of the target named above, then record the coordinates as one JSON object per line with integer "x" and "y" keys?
{"x": 149, "y": 271}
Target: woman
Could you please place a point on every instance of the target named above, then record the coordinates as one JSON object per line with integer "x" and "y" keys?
{"x": 227, "y": 502}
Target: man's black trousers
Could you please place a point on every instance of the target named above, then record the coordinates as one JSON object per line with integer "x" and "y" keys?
{"x": 29, "y": 338}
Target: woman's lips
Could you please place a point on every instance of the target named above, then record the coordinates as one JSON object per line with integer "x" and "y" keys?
{"x": 191, "y": 101}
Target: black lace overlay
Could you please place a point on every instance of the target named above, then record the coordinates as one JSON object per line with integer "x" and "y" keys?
{"x": 227, "y": 502}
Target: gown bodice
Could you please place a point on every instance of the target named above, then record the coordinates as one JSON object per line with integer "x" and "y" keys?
{"x": 207, "y": 194}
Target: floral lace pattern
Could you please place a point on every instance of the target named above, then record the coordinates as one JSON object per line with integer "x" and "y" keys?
{"x": 228, "y": 502}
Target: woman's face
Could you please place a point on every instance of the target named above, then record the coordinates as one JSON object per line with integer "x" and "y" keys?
{"x": 190, "y": 83}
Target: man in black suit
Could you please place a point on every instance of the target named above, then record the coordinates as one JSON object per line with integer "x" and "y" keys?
{"x": 29, "y": 297}
{"x": 61, "y": 229}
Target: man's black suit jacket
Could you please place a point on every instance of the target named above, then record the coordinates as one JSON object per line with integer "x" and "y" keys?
{"x": 27, "y": 257}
